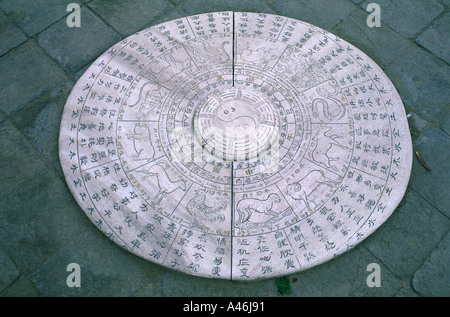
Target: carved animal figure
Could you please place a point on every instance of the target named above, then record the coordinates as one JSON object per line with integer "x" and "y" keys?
{"x": 203, "y": 53}
{"x": 316, "y": 179}
{"x": 324, "y": 150}
{"x": 142, "y": 143}
{"x": 209, "y": 210}
{"x": 167, "y": 67}
{"x": 260, "y": 56}
{"x": 150, "y": 97}
{"x": 332, "y": 108}
{"x": 246, "y": 207}
{"x": 165, "y": 184}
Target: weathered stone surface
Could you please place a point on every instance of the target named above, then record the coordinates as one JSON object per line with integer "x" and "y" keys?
{"x": 422, "y": 81}
{"x": 173, "y": 14}
{"x": 345, "y": 276}
{"x": 176, "y": 284}
{"x": 75, "y": 47}
{"x": 14, "y": 229}
{"x": 405, "y": 240}
{"x": 433, "y": 278}
{"x": 444, "y": 120}
{"x": 406, "y": 292}
{"x": 130, "y": 16}
{"x": 174, "y": 150}
{"x": 10, "y": 35}
{"x": 18, "y": 160}
{"x": 59, "y": 94}
{"x": 433, "y": 185}
{"x": 21, "y": 288}
{"x": 8, "y": 271}
{"x": 319, "y": 13}
{"x": 43, "y": 217}
{"x": 22, "y": 82}
{"x": 408, "y": 17}
{"x": 381, "y": 44}
{"x": 416, "y": 124}
{"x": 101, "y": 269}
{"x": 34, "y": 16}
{"x": 198, "y": 6}
{"x": 435, "y": 38}
{"x": 39, "y": 122}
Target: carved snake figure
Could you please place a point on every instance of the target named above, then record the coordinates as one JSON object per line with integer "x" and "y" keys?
{"x": 326, "y": 108}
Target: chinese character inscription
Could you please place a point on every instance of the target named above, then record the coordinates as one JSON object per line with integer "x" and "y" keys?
{"x": 235, "y": 145}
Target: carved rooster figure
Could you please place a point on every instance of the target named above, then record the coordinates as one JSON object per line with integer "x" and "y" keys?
{"x": 207, "y": 210}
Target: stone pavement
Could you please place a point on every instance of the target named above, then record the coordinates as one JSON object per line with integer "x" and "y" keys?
{"x": 42, "y": 229}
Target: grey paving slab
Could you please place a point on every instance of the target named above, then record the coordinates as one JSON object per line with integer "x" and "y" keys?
{"x": 10, "y": 35}
{"x": 105, "y": 270}
{"x": 170, "y": 15}
{"x": 72, "y": 48}
{"x": 345, "y": 276}
{"x": 416, "y": 124}
{"x": 381, "y": 44}
{"x": 22, "y": 82}
{"x": 406, "y": 292}
{"x": 2, "y": 117}
{"x": 154, "y": 274}
{"x": 178, "y": 284}
{"x": 200, "y": 6}
{"x": 319, "y": 13}
{"x": 16, "y": 235}
{"x": 433, "y": 278}
{"x": 436, "y": 39}
{"x": 21, "y": 288}
{"x": 49, "y": 219}
{"x": 8, "y": 271}
{"x": 13, "y": 224}
{"x": 259, "y": 197}
{"x": 34, "y": 16}
{"x": 444, "y": 120}
{"x": 18, "y": 160}
{"x": 404, "y": 242}
{"x": 59, "y": 94}
{"x": 128, "y": 17}
{"x": 434, "y": 147}
{"x": 422, "y": 81}
{"x": 80, "y": 72}
{"x": 407, "y": 17}
{"x": 39, "y": 122}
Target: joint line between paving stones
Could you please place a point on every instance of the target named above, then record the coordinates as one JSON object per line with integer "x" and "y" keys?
{"x": 432, "y": 205}
{"x": 427, "y": 26}
{"x": 411, "y": 41}
{"x": 35, "y": 151}
{"x": 104, "y": 21}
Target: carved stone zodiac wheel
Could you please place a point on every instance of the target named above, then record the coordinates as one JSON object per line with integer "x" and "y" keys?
{"x": 235, "y": 145}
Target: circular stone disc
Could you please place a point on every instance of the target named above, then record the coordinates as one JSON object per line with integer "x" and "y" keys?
{"x": 235, "y": 145}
